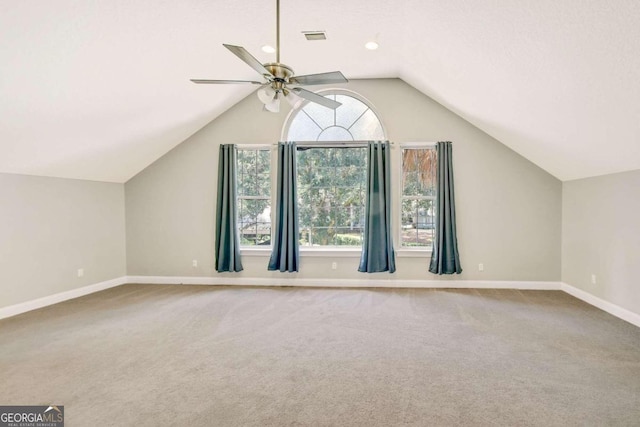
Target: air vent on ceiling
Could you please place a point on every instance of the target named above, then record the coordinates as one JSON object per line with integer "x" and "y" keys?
{"x": 315, "y": 35}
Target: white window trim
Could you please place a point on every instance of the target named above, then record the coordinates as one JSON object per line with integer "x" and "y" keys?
{"x": 416, "y": 144}
{"x": 254, "y": 146}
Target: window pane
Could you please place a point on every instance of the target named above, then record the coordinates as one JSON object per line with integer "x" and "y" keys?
{"x": 254, "y": 200}
{"x": 253, "y": 172}
{"x": 246, "y": 184}
{"x": 302, "y": 128}
{"x": 263, "y": 184}
{"x": 331, "y": 187}
{"x": 349, "y": 111}
{"x": 323, "y": 116}
{"x": 367, "y": 127}
{"x": 419, "y": 172}
{"x": 330, "y": 236}
{"x": 254, "y": 222}
{"x": 418, "y": 222}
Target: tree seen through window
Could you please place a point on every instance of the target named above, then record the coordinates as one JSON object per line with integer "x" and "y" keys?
{"x": 254, "y": 196}
{"x": 418, "y": 196}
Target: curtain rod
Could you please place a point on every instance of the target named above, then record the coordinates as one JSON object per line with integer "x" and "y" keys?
{"x": 332, "y": 144}
{"x": 356, "y": 144}
{"x": 341, "y": 144}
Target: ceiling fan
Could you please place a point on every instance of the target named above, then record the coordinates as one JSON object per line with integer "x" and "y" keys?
{"x": 281, "y": 81}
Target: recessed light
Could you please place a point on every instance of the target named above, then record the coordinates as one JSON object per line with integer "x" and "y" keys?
{"x": 268, "y": 49}
{"x": 371, "y": 45}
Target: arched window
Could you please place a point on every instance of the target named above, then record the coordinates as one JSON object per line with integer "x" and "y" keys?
{"x": 354, "y": 120}
{"x": 332, "y": 176}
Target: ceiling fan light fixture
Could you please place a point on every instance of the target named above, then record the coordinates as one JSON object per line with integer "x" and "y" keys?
{"x": 274, "y": 104}
{"x": 293, "y": 99}
{"x": 266, "y": 94}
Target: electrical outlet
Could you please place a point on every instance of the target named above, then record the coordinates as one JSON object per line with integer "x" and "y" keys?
{"x": 194, "y": 263}
{"x": 481, "y": 267}
{"x": 334, "y": 265}
{"x": 80, "y": 272}
{"x": 593, "y": 279}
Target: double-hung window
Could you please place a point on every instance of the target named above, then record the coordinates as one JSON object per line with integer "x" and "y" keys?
{"x": 254, "y": 195}
{"x": 418, "y": 196}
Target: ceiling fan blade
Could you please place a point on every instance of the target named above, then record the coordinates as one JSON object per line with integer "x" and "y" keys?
{"x": 242, "y": 53}
{"x": 223, "y": 82}
{"x": 314, "y": 97}
{"x": 319, "y": 79}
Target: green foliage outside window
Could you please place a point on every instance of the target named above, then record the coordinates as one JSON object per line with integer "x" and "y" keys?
{"x": 331, "y": 194}
{"x": 418, "y": 196}
{"x": 254, "y": 197}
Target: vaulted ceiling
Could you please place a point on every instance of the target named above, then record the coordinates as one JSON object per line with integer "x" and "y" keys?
{"x": 100, "y": 89}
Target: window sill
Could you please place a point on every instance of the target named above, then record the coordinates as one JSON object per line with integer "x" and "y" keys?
{"x": 330, "y": 252}
{"x": 307, "y": 252}
{"x": 413, "y": 253}
{"x": 335, "y": 252}
{"x": 252, "y": 251}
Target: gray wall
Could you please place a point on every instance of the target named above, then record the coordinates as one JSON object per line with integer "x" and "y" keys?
{"x": 509, "y": 210}
{"x": 601, "y": 236}
{"x": 51, "y": 227}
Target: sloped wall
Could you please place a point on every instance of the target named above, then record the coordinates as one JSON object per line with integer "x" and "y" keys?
{"x": 509, "y": 210}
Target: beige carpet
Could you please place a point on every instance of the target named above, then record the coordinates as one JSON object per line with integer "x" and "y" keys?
{"x": 147, "y": 355}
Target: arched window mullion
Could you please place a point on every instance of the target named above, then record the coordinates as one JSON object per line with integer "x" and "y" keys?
{"x": 316, "y": 123}
{"x": 356, "y": 120}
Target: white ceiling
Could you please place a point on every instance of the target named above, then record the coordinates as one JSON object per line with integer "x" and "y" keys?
{"x": 100, "y": 89}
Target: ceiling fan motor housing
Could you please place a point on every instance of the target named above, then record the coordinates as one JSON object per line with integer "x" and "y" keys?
{"x": 281, "y": 72}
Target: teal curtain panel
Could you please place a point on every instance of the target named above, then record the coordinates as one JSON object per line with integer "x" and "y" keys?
{"x": 444, "y": 257}
{"x": 227, "y": 250}
{"x": 377, "y": 248}
{"x": 285, "y": 256}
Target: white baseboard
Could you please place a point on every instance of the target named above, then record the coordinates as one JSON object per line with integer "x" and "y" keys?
{"x": 23, "y": 307}
{"x": 609, "y": 307}
{"x": 344, "y": 283}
